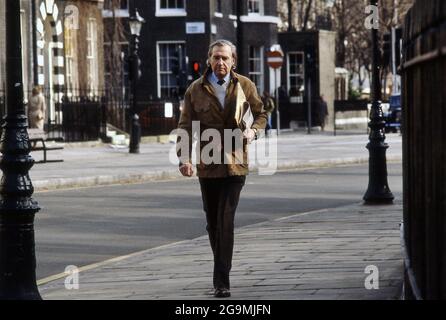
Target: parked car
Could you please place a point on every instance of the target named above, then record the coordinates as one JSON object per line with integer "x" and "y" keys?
{"x": 393, "y": 114}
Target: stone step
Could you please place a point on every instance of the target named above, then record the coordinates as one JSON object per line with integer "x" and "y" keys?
{"x": 119, "y": 139}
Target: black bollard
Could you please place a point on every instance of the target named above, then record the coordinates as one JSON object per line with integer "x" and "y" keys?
{"x": 135, "y": 136}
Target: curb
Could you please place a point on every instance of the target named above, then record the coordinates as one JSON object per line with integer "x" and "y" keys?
{"x": 173, "y": 174}
{"x": 84, "y": 182}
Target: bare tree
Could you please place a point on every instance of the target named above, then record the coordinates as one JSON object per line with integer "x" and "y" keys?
{"x": 115, "y": 35}
{"x": 307, "y": 15}
{"x": 353, "y": 42}
{"x": 296, "y": 14}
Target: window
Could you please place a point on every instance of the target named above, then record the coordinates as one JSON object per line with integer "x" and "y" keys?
{"x": 71, "y": 76}
{"x": 119, "y": 4}
{"x": 296, "y": 76}
{"x": 219, "y": 8}
{"x": 170, "y": 8}
{"x": 121, "y": 9}
{"x": 172, "y": 4}
{"x": 117, "y": 71}
{"x": 234, "y": 7}
{"x": 92, "y": 57}
{"x": 171, "y": 59}
{"x": 255, "y": 7}
{"x": 256, "y": 67}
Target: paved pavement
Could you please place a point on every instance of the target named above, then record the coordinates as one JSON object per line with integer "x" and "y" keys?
{"x": 316, "y": 255}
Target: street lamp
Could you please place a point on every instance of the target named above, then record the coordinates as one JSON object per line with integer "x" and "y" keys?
{"x": 378, "y": 191}
{"x": 17, "y": 208}
{"x": 135, "y": 22}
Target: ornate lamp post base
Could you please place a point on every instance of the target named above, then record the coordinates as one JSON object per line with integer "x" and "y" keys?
{"x": 17, "y": 208}
{"x": 378, "y": 191}
{"x": 17, "y": 211}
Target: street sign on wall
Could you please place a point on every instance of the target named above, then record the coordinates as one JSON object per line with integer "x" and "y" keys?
{"x": 195, "y": 27}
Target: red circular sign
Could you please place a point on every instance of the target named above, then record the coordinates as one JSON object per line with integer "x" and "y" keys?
{"x": 274, "y": 59}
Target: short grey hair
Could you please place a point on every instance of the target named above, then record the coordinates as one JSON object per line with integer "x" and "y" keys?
{"x": 222, "y": 43}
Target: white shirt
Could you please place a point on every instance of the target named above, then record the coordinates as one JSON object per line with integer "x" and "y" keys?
{"x": 220, "y": 90}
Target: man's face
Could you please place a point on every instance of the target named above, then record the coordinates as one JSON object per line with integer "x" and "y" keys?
{"x": 221, "y": 61}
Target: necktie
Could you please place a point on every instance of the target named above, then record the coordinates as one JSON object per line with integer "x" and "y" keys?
{"x": 220, "y": 82}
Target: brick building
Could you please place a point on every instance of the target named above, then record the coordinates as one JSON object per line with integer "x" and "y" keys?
{"x": 179, "y": 32}
{"x": 62, "y": 45}
{"x": 309, "y": 57}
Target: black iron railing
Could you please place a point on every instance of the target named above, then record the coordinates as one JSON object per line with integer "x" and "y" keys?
{"x": 83, "y": 115}
{"x": 153, "y": 120}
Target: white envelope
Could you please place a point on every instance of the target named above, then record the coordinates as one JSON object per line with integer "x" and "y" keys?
{"x": 243, "y": 114}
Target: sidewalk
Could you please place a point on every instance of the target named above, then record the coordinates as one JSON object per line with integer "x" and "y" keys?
{"x": 104, "y": 164}
{"x": 315, "y": 255}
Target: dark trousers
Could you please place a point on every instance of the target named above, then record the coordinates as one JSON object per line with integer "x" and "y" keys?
{"x": 220, "y": 200}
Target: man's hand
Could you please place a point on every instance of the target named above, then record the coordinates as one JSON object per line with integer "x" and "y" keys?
{"x": 187, "y": 170}
{"x": 249, "y": 134}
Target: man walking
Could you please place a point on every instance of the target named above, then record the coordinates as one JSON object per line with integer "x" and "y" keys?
{"x": 212, "y": 100}
{"x": 322, "y": 112}
{"x": 268, "y": 105}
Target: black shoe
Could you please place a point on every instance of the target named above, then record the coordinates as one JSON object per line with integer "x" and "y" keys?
{"x": 222, "y": 293}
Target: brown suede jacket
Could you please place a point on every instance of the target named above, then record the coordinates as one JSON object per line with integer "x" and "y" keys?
{"x": 201, "y": 104}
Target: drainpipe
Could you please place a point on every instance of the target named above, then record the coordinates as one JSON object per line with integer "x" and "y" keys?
{"x": 34, "y": 41}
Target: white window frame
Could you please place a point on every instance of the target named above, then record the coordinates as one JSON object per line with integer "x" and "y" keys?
{"x": 261, "y": 8}
{"x": 92, "y": 60}
{"x": 261, "y": 73}
{"x": 158, "y": 66}
{"x": 256, "y": 18}
{"x": 289, "y": 75}
{"x": 161, "y": 12}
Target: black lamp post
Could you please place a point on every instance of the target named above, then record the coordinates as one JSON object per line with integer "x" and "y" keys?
{"x": 378, "y": 191}
{"x": 136, "y": 22}
{"x": 310, "y": 65}
{"x": 17, "y": 208}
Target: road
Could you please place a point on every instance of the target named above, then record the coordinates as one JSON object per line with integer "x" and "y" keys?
{"x": 83, "y": 226}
